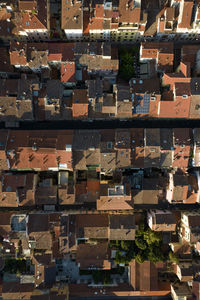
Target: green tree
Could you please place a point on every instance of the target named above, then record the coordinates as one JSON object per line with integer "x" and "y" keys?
{"x": 152, "y": 237}
{"x": 127, "y": 71}
{"x": 127, "y": 58}
{"x": 15, "y": 265}
{"x": 140, "y": 243}
{"x": 97, "y": 276}
{"x": 155, "y": 254}
{"x": 124, "y": 245}
{"x": 140, "y": 258}
{"x": 173, "y": 257}
{"x": 107, "y": 278}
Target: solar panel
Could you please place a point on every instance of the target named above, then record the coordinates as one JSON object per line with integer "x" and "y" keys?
{"x": 142, "y": 109}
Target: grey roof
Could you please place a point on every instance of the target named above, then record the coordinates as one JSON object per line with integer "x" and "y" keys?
{"x": 166, "y": 138}
{"x": 85, "y": 139}
{"x": 167, "y": 218}
{"x": 50, "y": 274}
{"x": 122, "y": 227}
{"x": 152, "y": 136}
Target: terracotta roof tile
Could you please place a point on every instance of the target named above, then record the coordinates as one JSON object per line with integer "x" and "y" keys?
{"x": 41, "y": 150}
{"x": 95, "y": 256}
{"x": 27, "y": 5}
{"x": 115, "y": 202}
{"x": 186, "y": 15}
{"x": 68, "y": 72}
{"x": 182, "y": 148}
{"x": 144, "y": 277}
{"x": 72, "y": 15}
{"x": 6, "y": 23}
{"x": 128, "y": 14}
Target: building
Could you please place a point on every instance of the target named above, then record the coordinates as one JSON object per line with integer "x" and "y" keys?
{"x": 159, "y": 220}
{"x": 190, "y": 227}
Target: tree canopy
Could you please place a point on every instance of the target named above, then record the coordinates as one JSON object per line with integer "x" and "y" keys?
{"x": 126, "y": 68}
{"x": 147, "y": 246}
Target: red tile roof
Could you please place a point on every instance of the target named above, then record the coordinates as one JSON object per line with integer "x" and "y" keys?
{"x": 39, "y": 150}
{"x": 27, "y": 5}
{"x": 68, "y": 72}
{"x": 186, "y": 15}
{"x": 96, "y": 256}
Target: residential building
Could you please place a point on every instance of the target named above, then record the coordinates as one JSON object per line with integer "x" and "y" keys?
{"x": 72, "y": 19}
{"x": 122, "y": 227}
{"x": 181, "y": 289}
{"x": 190, "y": 227}
{"x": 117, "y": 197}
{"x": 93, "y": 256}
{"x": 143, "y": 277}
{"x": 183, "y": 188}
{"x": 32, "y": 19}
{"x": 159, "y": 220}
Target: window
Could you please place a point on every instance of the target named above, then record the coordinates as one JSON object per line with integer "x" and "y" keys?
{"x": 109, "y": 145}
{"x": 27, "y": 23}
{"x": 152, "y": 150}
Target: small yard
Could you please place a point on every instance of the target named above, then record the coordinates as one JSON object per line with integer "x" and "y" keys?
{"x": 148, "y": 245}
{"x": 128, "y": 61}
{"x": 15, "y": 266}
{"x": 103, "y": 276}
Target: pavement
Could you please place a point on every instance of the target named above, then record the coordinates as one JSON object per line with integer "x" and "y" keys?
{"x": 106, "y": 124}
{"x": 70, "y": 269}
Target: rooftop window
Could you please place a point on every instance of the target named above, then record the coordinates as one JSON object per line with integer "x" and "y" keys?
{"x": 68, "y": 148}
{"x": 118, "y": 190}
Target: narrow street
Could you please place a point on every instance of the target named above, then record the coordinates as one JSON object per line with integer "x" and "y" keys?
{"x": 107, "y": 124}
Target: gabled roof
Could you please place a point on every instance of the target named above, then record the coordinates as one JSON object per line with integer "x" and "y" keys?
{"x": 122, "y": 227}
{"x": 93, "y": 256}
{"x": 40, "y": 149}
{"x": 15, "y": 290}
{"x": 33, "y": 15}
{"x": 92, "y": 226}
{"x": 114, "y": 200}
{"x": 186, "y": 15}
{"x": 143, "y": 277}
{"x": 128, "y": 13}
{"x": 72, "y": 15}
{"x": 68, "y": 72}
